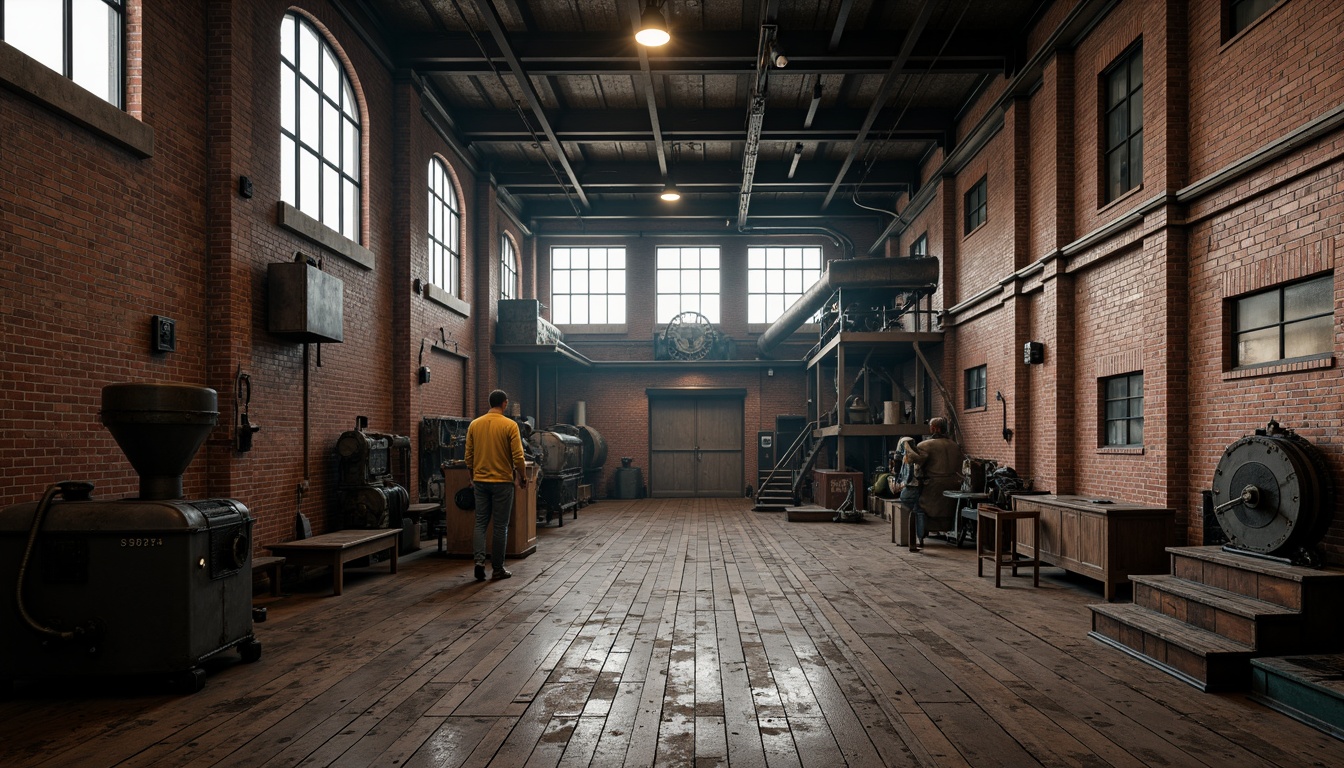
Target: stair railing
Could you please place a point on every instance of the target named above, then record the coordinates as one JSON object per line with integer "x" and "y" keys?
{"x": 792, "y": 451}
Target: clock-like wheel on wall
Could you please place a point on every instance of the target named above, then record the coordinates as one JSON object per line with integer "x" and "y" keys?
{"x": 690, "y": 336}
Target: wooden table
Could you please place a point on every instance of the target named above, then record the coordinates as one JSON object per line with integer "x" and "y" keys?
{"x": 338, "y": 548}
{"x": 1103, "y": 539}
{"x": 1000, "y": 548}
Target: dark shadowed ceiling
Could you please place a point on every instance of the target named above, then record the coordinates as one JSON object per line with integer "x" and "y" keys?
{"x": 574, "y": 118}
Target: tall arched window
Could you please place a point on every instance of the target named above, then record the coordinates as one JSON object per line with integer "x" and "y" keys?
{"x": 319, "y": 129}
{"x": 508, "y": 269}
{"x": 445, "y": 230}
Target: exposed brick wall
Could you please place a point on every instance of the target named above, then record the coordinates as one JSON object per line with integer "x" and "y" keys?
{"x": 1278, "y": 74}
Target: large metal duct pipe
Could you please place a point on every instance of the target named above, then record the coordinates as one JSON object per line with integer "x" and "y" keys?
{"x": 897, "y": 273}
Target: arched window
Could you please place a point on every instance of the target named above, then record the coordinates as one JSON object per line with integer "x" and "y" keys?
{"x": 445, "y": 230}
{"x": 81, "y": 40}
{"x": 319, "y": 129}
{"x": 508, "y": 269}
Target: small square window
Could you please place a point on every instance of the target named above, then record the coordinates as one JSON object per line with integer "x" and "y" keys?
{"x": 1240, "y": 14}
{"x": 921, "y": 246}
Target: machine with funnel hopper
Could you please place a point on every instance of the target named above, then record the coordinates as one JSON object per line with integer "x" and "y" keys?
{"x": 146, "y": 586}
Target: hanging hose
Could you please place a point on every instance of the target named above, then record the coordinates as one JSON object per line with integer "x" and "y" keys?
{"x": 38, "y": 514}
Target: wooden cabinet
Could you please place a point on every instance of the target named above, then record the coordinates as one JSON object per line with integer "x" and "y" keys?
{"x": 1102, "y": 539}
{"x": 460, "y": 524}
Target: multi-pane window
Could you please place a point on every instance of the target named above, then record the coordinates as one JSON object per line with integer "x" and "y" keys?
{"x": 1123, "y": 118}
{"x": 777, "y": 277}
{"x": 1241, "y": 13}
{"x": 445, "y": 230}
{"x": 1123, "y": 407}
{"x": 508, "y": 269}
{"x": 977, "y": 204}
{"x": 688, "y": 281}
{"x": 1284, "y": 323}
{"x": 975, "y": 387}
{"x": 81, "y": 39}
{"x": 587, "y": 285}
{"x": 921, "y": 246}
{"x": 319, "y": 129}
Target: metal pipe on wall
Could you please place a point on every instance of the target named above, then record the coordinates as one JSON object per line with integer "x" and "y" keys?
{"x": 898, "y": 273}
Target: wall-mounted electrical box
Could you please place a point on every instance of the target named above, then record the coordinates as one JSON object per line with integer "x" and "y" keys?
{"x": 305, "y": 303}
{"x": 1033, "y": 353}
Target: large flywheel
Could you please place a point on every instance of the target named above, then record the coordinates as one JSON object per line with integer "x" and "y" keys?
{"x": 1272, "y": 496}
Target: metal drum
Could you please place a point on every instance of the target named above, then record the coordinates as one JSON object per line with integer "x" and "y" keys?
{"x": 558, "y": 451}
{"x": 1272, "y": 495}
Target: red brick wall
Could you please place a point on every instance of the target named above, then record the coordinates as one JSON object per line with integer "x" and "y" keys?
{"x": 1278, "y": 74}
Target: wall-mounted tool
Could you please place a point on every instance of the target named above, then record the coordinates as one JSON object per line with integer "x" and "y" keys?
{"x": 1007, "y": 433}
{"x": 242, "y": 391}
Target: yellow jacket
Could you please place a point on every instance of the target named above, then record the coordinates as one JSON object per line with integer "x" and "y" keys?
{"x": 494, "y": 449}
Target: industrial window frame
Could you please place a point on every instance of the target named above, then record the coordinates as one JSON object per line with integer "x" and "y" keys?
{"x": 976, "y": 386}
{"x": 319, "y": 180}
{"x": 584, "y": 294}
{"x": 1241, "y": 15}
{"x": 977, "y": 204}
{"x": 1122, "y": 410}
{"x": 777, "y": 276}
{"x": 920, "y": 247}
{"x": 688, "y": 280}
{"x": 445, "y": 229}
{"x": 1121, "y": 139}
{"x": 508, "y": 268}
{"x": 79, "y": 35}
{"x": 1289, "y": 344}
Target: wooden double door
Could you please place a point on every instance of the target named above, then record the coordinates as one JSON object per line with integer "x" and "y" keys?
{"x": 696, "y": 446}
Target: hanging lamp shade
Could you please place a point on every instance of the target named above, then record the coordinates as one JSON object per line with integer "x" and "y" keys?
{"x": 652, "y": 27}
{"x": 670, "y": 193}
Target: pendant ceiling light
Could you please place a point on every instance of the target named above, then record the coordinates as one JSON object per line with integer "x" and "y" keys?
{"x": 652, "y": 27}
{"x": 670, "y": 193}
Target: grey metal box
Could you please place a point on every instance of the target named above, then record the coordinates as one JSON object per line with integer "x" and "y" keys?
{"x": 305, "y": 303}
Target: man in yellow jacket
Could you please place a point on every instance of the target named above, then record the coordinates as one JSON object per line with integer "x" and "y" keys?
{"x": 494, "y": 456}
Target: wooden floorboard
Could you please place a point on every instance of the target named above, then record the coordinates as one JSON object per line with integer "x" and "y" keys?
{"x": 669, "y": 632}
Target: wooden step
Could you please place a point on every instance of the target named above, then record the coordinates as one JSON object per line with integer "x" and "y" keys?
{"x": 1203, "y": 659}
{"x": 1288, "y": 585}
{"x": 1265, "y": 627}
{"x": 1306, "y": 688}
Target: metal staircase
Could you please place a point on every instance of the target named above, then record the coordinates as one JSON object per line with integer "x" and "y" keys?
{"x": 779, "y": 487}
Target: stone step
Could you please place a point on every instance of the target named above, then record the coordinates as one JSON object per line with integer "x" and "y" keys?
{"x": 1265, "y": 627}
{"x": 1306, "y": 688}
{"x": 1203, "y": 659}
{"x": 1290, "y": 586}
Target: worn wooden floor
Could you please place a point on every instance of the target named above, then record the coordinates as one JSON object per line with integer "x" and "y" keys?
{"x": 672, "y": 632}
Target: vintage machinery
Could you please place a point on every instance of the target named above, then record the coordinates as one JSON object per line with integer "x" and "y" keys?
{"x": 151, "y": 585}
{"x": 367, "y": 495}
{"x": 443, "y": 440}
{"x": 1272, "y": 496}
{"x": 560, "y": 456}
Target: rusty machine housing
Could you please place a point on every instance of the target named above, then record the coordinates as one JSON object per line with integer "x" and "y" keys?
{"x": 152, "y": 585}
{"x": 1272, "y": 496}
{"x": 560, "y": 456}
{"x": 368, "y": 494}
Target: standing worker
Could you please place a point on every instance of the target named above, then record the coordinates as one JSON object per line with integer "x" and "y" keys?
{"x": 939, "y": 459}
{"x": 494, "y": 457}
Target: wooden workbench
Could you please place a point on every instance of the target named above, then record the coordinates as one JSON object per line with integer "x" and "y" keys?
{"x": 337, "y": 548}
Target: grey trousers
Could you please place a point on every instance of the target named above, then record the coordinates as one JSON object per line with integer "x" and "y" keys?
{"x": 494, "y": 504}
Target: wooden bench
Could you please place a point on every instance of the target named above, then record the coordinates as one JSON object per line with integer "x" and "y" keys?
{"x": 271, "y": 566}
{"x": 338, "y": 548}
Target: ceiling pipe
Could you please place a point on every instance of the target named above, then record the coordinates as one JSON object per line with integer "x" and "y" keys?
{"x": 755, "y": 119}
{"x": 901, "y": 274}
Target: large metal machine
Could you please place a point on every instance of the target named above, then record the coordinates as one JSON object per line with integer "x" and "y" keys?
{"x": 368, "y": 495}
{"x": 152, "y": 585}
{"x": 560, "y": 456}
{"x": 1272, "y": 496}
